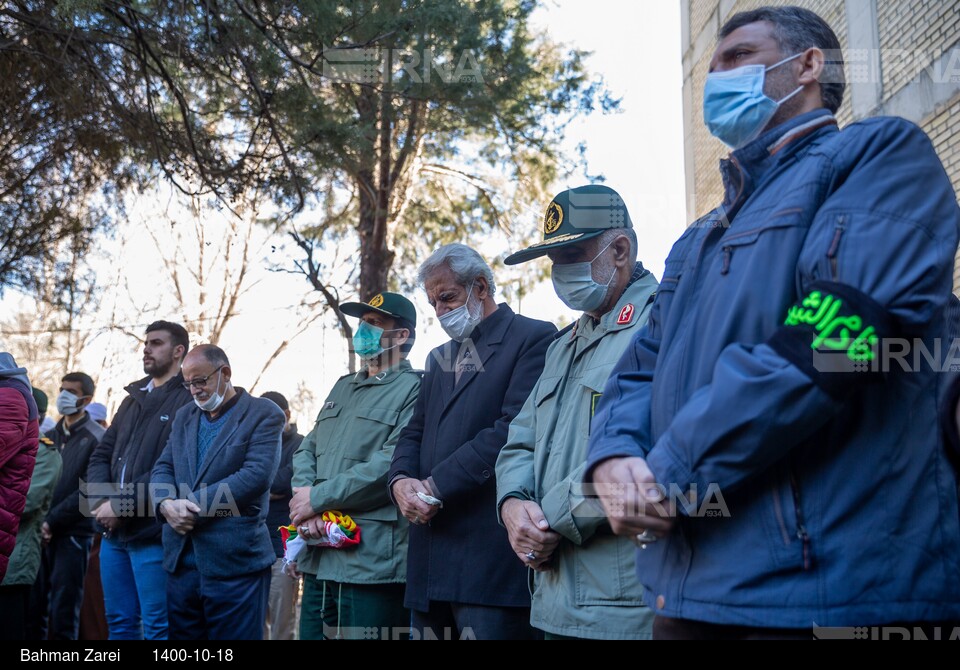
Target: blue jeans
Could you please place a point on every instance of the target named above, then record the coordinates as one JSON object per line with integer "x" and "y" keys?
{"x": 134, "y": 589}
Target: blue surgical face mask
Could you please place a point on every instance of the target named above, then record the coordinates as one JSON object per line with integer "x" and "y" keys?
{"x": 735, "y": 108}
{"x": 575, "y": 286}
{"x": 459, "y": 323}
{"x": 366, "y": 341}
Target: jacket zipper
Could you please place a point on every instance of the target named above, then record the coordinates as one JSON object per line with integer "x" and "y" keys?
{"x": 802, "y": 533}
{"x": 835, "y": 248}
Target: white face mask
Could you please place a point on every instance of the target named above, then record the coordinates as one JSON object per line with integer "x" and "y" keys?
{"x": 575, "y": 286}
{"x": 215, "y": 400}
{"x": 67, "y": 403}
{"x": 459, "y": 323}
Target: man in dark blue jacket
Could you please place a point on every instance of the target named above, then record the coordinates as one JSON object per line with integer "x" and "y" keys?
{"x": 768, "y": 399}
{"x": 463, "y": 579}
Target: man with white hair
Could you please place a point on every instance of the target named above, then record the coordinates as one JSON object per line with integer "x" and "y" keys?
{"x": 463, "y": 580}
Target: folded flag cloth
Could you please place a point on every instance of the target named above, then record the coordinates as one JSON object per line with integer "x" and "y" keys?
{"x": 339, "y": 531}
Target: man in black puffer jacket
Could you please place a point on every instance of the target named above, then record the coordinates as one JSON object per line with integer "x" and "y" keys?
{"x": 134, "y": 582}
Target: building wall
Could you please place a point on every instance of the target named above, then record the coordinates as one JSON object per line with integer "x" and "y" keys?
{"x": 902, "y": 58}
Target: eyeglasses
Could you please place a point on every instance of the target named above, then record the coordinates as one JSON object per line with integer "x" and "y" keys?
{"x": 200, "y": 383}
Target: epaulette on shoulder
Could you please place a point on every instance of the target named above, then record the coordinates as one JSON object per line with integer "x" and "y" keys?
{"x": 46, "y": 440}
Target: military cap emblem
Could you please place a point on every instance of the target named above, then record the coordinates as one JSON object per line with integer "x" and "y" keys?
{"x": 552, "y": 219}
{"x": 376, "y": 300}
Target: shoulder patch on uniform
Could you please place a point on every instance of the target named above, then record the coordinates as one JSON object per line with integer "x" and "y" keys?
{"x": 626, "y": 315}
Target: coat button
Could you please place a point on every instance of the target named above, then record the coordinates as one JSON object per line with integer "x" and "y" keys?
{"x": 661, "y": 602}
{"x": 486, "y": 474}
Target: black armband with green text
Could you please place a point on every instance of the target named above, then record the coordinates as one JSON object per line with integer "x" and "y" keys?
{"x": 833, "y": 335}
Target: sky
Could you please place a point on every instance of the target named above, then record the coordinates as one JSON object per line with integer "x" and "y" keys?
{"x": 635, "y": 49}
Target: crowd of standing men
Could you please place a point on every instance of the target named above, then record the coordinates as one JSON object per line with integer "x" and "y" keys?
{"x": 531, "y": 483}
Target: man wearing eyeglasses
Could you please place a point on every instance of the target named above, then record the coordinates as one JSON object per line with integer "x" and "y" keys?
{"x": 131, "y": 555}
{"x": 211, "y": 488}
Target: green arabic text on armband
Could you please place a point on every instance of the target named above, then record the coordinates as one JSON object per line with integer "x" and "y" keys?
{"x": 834, "y": 331}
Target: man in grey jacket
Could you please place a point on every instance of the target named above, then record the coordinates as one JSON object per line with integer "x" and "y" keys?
{"x": 585, "y": 585}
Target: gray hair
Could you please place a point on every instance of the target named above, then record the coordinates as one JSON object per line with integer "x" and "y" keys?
{"x": 796, "y": 30}
{"x": 215, "y": 356}
{"x": 609, "y": 236}
{"x": 465, "y": 263}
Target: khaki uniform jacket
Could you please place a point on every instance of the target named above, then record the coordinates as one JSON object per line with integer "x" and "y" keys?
{"x": 592, "y": 590}
{"x": 345, "y": 459}
{"x": 25, "y": 559}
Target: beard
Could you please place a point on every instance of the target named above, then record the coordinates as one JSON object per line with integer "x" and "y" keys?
{"x": 779, "y": 85}
{"x": 157, "y": 368}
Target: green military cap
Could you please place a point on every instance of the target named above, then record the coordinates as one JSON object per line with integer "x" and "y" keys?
{"x": 576, "y": 215}
{"x": 41, "y": 399}
{"x": 386, "y": 303}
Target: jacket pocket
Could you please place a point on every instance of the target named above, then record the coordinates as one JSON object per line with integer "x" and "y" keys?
{"x": 605, "y": 572}
{"x": 546, "y": 389}
{"x": 833, "y": 251}
{"x": 325, "y": 423}
{"x": 592, "y": 383}
{"x": 773, "y": 238}
{"x": 786, "y": 534}
{"x": 375, "y": 424}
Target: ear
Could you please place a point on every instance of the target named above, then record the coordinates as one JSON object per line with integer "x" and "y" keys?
{"x": 402, "y": 338}
{"x": 812, "y": 63}
{"x": 621, "y": 251}
{"x": 226, "y": 372}
{"x": 179, "y": 352}
{"x": 286, "y": 413}
{"x": 482, "y": 288}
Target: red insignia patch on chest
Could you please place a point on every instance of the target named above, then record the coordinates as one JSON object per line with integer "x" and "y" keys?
{"x": 626, "y": 315}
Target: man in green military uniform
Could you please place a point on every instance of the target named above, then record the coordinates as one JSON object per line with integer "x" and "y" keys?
{"x": 585, "y": 581}
{"x": 342, "y": 465}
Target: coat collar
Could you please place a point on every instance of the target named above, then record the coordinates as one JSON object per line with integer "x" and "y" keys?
{"x": 387, "y": 376}
{"x": 746, "y": 168}
{"x": 641, "y": 290}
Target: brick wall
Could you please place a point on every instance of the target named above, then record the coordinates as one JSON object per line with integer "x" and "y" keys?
{"x": 912, "y": 35}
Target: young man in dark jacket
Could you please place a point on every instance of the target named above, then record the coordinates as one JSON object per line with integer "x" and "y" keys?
{"x": 134, "y": 582}
{"x": 68, "y": 529}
